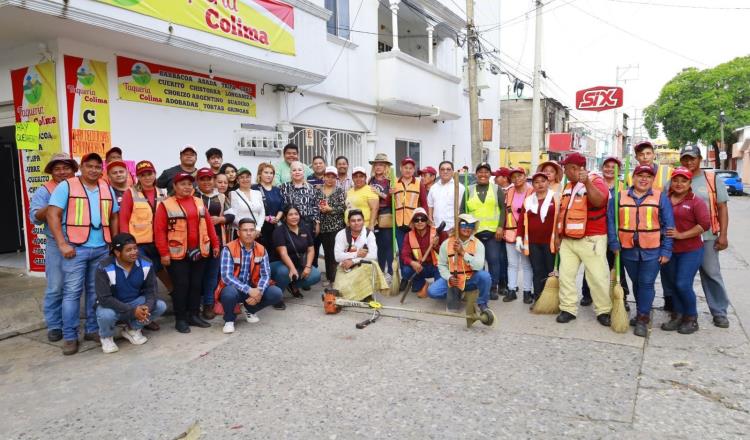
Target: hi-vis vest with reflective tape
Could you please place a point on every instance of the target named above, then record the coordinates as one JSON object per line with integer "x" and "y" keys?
{"x": 575, "y": 213}
{"x": 177, "y": 228}
{"x": 141, "y": 221}
{"x": 661, "y": 179}
{"x": 459, "y": 267}
{"x": 510, "y": 232}
{"x": 235, "y": 250}
{"x": 416, "y": 251}
{"x": 713, "y": 206}
{"x": 406, "y": 200}
{"x": 50, "y": 185}
{"x": 488, "y": 212}
{"x": 640, "y": 219}
{"x": 78, "y": 214}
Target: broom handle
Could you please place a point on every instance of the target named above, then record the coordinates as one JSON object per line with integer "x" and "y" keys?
{"x": 617, "y": 219}
{"x": 393, "y": 213}
{"x": 557, "y": 254}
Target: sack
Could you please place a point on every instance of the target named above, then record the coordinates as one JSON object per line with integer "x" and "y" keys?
{"x": 329, "y": 301}
{"x": 385, "y": 220}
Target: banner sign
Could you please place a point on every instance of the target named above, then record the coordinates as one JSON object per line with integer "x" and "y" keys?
{"x": 141, "y": 81}
{"x": 87, "y": 97}
{"x": 27, "y": 135}
{"x": 35, "y": 101}
{"x": 599, "y": 98}
{"x": 268, "y": 24}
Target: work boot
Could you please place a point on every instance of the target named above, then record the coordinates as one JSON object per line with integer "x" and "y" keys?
{"x": 182, "y": 326}
{"x": 494, "y": 296}
{"x": 454, "y": 300}
{"x": 604, "y": 319}
{"x": 94, "y": 336}
{"x": 511, "y": 296}
{"x": 674, "y": 323}
{"x": 586, "y": 301}
{"x": 721, "y": 321}
{"x": 565, "y": 317}
{"x": 196, "y": 321}
{"x": 70, "y": 346}
{"x": 54, "y": 335}
{"x": 502, "y": 289}
{"x": 641, "y": 326}
{"x": 689, "y": 325}
{"x": 153, "y": 326}
{"x": 527, "y": 299}
{"x": 208, "y": 312}
{"x": 281, "y": 305}
{"x": 668, "y": 307}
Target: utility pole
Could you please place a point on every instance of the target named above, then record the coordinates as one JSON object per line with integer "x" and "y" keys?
{"x": 722, "y": 120}
{"x": 499, "y": 97}
{"x": 471, "y": 44}
{"x": 620, "y": 77}
{"x": 536, "y": 102}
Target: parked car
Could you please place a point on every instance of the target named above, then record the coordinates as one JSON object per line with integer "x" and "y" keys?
{"x": 732, "y": 180}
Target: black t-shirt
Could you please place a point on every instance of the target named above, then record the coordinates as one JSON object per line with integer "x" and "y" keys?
{"x": 296, "y": 244}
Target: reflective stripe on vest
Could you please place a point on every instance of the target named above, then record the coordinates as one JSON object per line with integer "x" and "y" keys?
{"x": 177, "y": 228}
{"x": 663, "y": 175}
{"x": 141, "y": 221}
{"x": 488, "y": 212}
{"x": 510, "y": 232}
{"x": 641, "y": 220}
{"x": 78, "y": 214}
{"x": 416, "y": 251}
{"x": 406, "y": 200}
{"x": 459, "y": 267}
{"x": 235, "y": 250}
{"x": 713, "y": 206}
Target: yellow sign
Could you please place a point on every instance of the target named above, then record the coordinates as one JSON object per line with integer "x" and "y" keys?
{"x": 87, "y": 92}
{"x": 152, "y": 83}
{"x": 27, "y": 135}
{"x": 268, "y": 24}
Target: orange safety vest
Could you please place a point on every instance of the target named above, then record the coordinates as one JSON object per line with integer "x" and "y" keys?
{"x": 141, "y": 221}
{"x": 575, "y": 213}
{"x": 177, "y": 228}
{"x": 510, "y": 231}
{"x": 78, "y": 213}
{"x": 406, "y": 199}
{"x": 417, "y": 251}
{"x": 235, "y": 250}
{"x": 713, "y": 206}
{"x": 552, "y": 248}
{"x": 642, "y": 219}
{"x": 458, "y": 266}
{"x": 50, "y": 185}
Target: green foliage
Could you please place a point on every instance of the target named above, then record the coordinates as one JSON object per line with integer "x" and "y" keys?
{"x": 689, "y": 105}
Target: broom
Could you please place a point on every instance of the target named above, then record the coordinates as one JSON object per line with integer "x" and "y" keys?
{"x": 548, "y": 302}
{"x": 619, "y": 315}
{"x": 396, "y": 280}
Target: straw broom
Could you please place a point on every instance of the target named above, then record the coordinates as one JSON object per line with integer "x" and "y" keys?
{"x": 549, "y": 300}
{"x": 396, "y": 280}
{"x": 619, "y": 315}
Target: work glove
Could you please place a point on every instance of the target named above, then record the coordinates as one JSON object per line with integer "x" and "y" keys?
{"x": 519, "y": 244}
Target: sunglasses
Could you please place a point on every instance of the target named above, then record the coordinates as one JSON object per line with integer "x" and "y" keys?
{"x": 420, "y": 220}
{"x": 466, "y": 226}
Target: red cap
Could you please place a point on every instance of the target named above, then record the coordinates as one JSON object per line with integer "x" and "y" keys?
{"x": 539, "y": 174}
{"x": 205, "y": 172}
{"x": 503, "y": 171}
{"x": 516, "y": 170}
{"x": 682, "y": 171}
{"x": 91, "y": 156}
{"x": 613, "y": 159}
{"x": 575, "y": 159}
{"x": 644, "y": 169}
{"x": 182, "y": 176}
{"x": 116, "y": 163}
{"x": 113, "y": 150}
{"x": 406, "y": 160}
{"x": 428, "y": 170}
{"x": 641, "y": 145}
{"x": 144, "y": 166}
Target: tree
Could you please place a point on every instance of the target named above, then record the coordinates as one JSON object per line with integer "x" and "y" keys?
{"x": 689, "y": 106}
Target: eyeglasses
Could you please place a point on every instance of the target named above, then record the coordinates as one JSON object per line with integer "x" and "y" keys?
{"x": 420, "y": 220}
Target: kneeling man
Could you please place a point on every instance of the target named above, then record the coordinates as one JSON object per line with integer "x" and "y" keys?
{"x": 419, "y": 253}
{"x": 125, "y": 291}
{"x": 461, "y": 264}
{"x": 245, "y": 273}
{"x": 358, "y": 275}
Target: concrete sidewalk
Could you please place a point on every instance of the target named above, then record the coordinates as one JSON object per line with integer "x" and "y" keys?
{"x": 21, "y": 299}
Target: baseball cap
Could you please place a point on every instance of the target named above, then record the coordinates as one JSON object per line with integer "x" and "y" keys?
{"x": 484, "y": 165}
{"x": 63, "y": 158}
{"x": 467, "y": 218}
{"x": 428, "y": 170}
{"x": 690, "y": 150}
{"x": 356, "y": 170}
{"x": 641, "y": 145}
{"x": 408, "y": 159}
{"x": 613, "y": 159}
{"x": 188, "y": 147}
{"x": 418, "y": 211}
{"x": 331, "y": 170}
{"x": 517, "y": 170}
{"x": 243, "y": 170}
{"x": 539, "y": 174}
{"x": 144, "y": 166}
{"x": 205, "y": 172}
{"x": 503, "y": 171}
{"x": 644, "y": 169}
{"x": 575, "y": 159}
{"x": 113, "y": 150}
{"x": 116, "y": 163}
{"x": 682, "y": 171}
{"x": 182, "y": 176}
{"x": 91, "y": 156}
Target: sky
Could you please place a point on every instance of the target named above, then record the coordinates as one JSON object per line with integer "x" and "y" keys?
{"x": 582, "y": 45}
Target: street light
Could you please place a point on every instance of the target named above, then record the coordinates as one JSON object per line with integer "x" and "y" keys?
{"x": 722, "y": 120}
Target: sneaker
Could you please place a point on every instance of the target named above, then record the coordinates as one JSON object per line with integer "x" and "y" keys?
{"x": 134, "y": 336}
{"x": 511, "y": 296}
{"x": 54, "y": 335}
{"x": 251, "y": 317}
{"x": 527, "y": 297}
{"x": 108, "y": 345}
{"x": 565, "y": 317}
{"x": 228, "y": 327}
{"x": 604, "y": 319}
{"x": 721, "y": 321}
{"x": 674, "y": 323}
{"x": 280, "y": 306}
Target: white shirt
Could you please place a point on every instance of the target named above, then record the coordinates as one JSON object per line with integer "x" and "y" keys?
{"x": 440, "y": 199}
{"x": 248, "y": 208}
{"x": 341, "y": 251}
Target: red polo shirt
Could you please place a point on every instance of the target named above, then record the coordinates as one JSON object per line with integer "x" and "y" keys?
{"x": 689, "y": 212}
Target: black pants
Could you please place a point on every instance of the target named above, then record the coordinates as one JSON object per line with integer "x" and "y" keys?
{"x": 328, "y": 240}
{"x": 542, "y": 263}
{"x": 187, "y": 277}
{"x": 266, "y": 234}
{"x": 586, "y": 292}
{"x": 316, "y": 244}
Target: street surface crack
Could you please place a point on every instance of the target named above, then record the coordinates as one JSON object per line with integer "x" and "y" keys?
{"x": 708, "y": 394}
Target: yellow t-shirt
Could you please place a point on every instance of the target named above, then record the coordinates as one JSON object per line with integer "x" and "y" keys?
{"x": 359, "y": 199}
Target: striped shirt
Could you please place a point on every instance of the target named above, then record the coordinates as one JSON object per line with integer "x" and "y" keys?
{"x": 242, "y": 282}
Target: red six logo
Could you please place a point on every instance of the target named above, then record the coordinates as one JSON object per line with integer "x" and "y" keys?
{"x": 599, "y": 98}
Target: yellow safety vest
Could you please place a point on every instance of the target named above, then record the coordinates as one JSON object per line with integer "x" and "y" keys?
{"x": 487, "y": 212}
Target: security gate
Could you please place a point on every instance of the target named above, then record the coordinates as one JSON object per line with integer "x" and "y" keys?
{"x": 329, "y": 143}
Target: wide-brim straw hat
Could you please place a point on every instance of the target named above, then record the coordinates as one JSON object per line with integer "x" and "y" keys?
{"x": 381, "y": 158}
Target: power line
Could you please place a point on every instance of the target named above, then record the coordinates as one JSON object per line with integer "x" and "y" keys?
{"x": 510, "y": 22}
{"x": 682, "y": 6}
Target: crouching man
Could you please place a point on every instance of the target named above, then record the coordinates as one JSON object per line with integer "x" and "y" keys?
{"x": 460, "y": 263}
{"x": 358, "y": 275}
{"x": 245, "y": 273}
{"x": 125, "y": 292}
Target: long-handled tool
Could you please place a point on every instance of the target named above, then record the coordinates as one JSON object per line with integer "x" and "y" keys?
{"x": 619, "y": 316}
{"x": 454, "y": 294}
{"x": 548, "y": 302}
{"x": 426, "y": 255}
{"x": 396, "y": 280}
{"x": 486, "y": 317}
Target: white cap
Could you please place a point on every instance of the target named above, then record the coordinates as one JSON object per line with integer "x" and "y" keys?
{"x": 331, "y": 170}
{"x": 419, "y": 210}
{"x": 468, "y": 218}
{"x": 356, "y": 170}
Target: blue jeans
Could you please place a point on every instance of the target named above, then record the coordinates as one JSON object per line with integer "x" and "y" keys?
{"x": 643, "y": 276}
{"x": 79, "y": 275}
{"x": 230, "y": 297}
{"x": 712, "y": 281}
{"x": 400, "y": 235}
{"x": 107, "y": 318}
{"x": 428, "y": 271}
{"x": 280, "y": 274}
{"x": 210, "y": 279}
{"x": 53, "y": 295}
{"x": 481, "y": 280}
{"x": 492, "y": 254}
{"x": 384, "y": 240}
{"x": 677, "y": 278}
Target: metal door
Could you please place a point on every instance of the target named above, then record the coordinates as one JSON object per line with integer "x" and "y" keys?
{"x": 329, "y": 143}
{"x": 11, "y": 218}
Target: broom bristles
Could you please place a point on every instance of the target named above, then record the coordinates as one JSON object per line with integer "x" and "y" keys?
{"x": 549, "y": 300}
{"x": 619, "y": 316}
{"x": 396, "y": 280}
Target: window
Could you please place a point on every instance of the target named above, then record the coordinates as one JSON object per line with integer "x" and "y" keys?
{"x": 338, "y": 23}
{"x": 485, "y": 126}
{"x": 407, "y": 148}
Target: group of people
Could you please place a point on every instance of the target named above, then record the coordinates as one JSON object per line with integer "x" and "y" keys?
{"x": 220, "y": 239}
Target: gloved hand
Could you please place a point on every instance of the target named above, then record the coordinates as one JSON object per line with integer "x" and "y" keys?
{"x": 519, "y": 244}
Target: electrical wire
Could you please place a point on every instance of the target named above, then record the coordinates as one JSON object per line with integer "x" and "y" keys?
{"x": 682, "y": 6}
